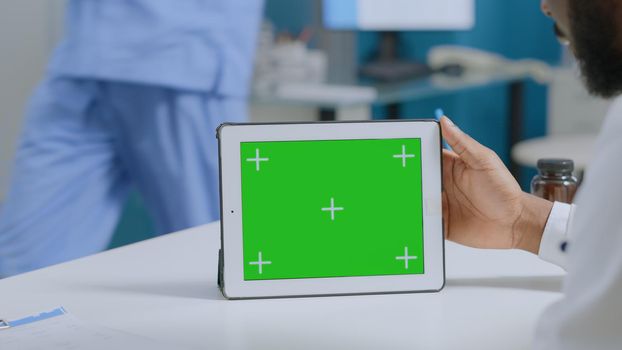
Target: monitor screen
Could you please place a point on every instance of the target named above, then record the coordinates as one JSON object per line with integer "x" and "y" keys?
{"x": 399, "y": 14}
{"x": 340, "y": 208}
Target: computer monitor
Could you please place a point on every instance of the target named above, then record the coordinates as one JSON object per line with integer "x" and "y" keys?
{"x": 391, "y": 16}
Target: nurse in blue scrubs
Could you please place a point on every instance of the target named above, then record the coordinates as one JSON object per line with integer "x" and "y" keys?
{"x": 132, "y": 98}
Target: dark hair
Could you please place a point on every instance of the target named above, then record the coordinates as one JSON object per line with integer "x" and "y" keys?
{"x": 597, "y": 43}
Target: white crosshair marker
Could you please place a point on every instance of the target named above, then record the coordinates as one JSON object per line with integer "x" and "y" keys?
{"x": 332, "y": 209}
{"x": 406, "y": 258}
{"x": 257, "y": 160}
{"x": 260, "y": 262}
{"x": 404, "y": 156}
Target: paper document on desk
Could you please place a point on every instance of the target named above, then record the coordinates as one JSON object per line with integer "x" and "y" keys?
{"x": 58, "y": 330}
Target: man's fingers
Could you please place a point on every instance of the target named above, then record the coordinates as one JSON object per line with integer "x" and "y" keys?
{"x": 449, "y": 155}
{"x": 469, "y": 150}
{"x": 449, "y": 159}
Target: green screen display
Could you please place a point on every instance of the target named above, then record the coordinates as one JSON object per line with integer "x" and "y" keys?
{"x": 317, "y": 209}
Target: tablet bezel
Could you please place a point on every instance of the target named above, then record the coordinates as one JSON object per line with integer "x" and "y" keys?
{"x": 231, "y": 135}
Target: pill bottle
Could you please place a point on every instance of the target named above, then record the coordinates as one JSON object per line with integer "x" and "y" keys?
{"x": 555, "y": 181}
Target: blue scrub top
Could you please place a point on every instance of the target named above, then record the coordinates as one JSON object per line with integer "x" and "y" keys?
{"x": 205, "y": 45}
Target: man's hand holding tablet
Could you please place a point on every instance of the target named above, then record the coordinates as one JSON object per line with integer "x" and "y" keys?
{"x": 483, "y": 204}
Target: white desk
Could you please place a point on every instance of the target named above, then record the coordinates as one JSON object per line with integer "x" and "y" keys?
{"x": 165, "y": 289}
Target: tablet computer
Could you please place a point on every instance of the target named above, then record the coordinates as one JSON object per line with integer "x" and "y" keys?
{"x": 318, "y": 209}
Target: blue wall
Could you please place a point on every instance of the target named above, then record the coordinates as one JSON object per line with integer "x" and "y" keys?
{"x": 290, "y": 15}
{"x": 513, "y": 28}
{"x": 135, "y": 224}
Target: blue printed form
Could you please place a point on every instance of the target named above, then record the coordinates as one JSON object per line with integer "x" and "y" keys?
{"x": 58, "y": 330}
{"x": 31, "y": 319}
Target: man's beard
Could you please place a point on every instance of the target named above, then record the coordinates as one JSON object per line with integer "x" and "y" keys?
{"x": 597, "y": 45}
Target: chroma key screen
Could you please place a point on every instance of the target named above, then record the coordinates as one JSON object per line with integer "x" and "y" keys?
{"x": 319, "y": 209}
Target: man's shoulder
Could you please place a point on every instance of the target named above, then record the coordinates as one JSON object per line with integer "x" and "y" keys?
{"x": 613, "y": 121}
{"x": 610, "y": 138}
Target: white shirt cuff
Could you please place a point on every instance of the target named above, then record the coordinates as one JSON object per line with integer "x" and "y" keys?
{"x": 555, "y": 237}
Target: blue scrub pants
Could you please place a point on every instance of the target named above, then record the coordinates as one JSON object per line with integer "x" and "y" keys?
{"x": 85, "y": 143}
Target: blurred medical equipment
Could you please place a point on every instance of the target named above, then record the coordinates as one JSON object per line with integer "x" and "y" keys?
{"x": 286, "y": 68}
{"x": 391, "y": 16}
{"x": 475, "y": 61}
{"x": 285, "y": 59}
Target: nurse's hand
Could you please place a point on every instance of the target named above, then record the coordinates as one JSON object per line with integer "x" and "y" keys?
{"x": 483, "y": 205}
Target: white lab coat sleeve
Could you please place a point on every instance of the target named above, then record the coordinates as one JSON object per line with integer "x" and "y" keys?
{"x": 554, "y": 242}
{"x": 589, "y": 316}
